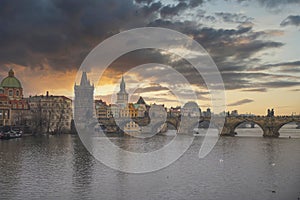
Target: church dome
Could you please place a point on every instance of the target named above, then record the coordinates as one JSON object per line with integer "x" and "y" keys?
{"x": 11, "y": 81}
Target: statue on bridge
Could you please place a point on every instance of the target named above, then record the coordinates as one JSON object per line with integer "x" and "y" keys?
{"x": 270, "y": 113}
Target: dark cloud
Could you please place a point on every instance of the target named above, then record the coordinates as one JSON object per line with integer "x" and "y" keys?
{"x": 291, "y": 20}
{"x": 195, "y": 3}
{"x": 150, "y": 9}
{"x": 240, "y": 102}
{"x": 234, "y": 17}
{"x": 292, "y": 64}
{"x": 255, "y": 90}
{"x": 151, "y": 89}
{"x": 281, "y": 84}
{"x": 277, "y": 3}
{"x": 290, "y": 70}
{"x": 160, "y": 99}
{"x": 246, "y": 80}
{"x": 286, "y": 67}
{"x": 192, "y": 3}
{"x": 61, "y": 33}
{"x": 144, "y": 1}
{"x": 233, "y": 50}
{"x": 273, "y": 3}
{"x": 169, "y": 10}
{"x": 295, "y": 90}
{"x": 172, "y": 10}
{"x": 240, "y": 44}
{"x": 135, "y": 58}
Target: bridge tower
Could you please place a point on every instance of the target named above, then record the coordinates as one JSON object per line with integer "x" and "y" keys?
{"x": 84, "y": 100}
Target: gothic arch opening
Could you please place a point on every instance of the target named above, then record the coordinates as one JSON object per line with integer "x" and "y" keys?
{"x": 248, "y": 129}
{"x": 290, "y": 130}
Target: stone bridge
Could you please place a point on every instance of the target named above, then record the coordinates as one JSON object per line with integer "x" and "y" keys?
{"x": 269, "y": 125}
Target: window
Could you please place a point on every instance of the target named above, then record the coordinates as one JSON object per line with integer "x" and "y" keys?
{"x": 10, "y": 93}
{"x": 17, "y": 93}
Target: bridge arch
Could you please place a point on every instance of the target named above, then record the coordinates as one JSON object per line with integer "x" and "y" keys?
{"x": 287, "y": 122}
{"x": 237, "y": 124}
{"x": 172, "y": 125}
{"x": 174, "y": 122}
{"x": 280, "y": 131}
{"x": 206, "y": 123}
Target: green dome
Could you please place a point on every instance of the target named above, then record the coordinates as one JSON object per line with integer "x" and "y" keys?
{"x": 11, "y": 81}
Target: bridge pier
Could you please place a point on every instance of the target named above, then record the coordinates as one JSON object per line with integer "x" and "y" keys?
{"x": 227, "y": 131}
{"x": 270, "y": 132}
{"x": 187, "y": 125}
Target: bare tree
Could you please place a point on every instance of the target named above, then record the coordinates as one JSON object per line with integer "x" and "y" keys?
{"x": 38, "y": 120}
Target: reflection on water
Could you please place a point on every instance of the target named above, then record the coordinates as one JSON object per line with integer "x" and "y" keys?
{"x": 58, "y": 167}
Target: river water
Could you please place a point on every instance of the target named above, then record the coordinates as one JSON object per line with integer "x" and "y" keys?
{"x": 59, "y": 167}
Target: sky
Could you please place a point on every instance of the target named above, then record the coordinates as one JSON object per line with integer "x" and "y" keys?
{"x": 254, "y": 43}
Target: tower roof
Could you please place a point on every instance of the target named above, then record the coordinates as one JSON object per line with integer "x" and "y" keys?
{"x": 84, "y": 81}
{"x": 11, "y": 81}
{"x": 122, "y": 86}
{"x": 141, "y": 101}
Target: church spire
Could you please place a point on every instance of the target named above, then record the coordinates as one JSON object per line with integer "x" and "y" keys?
{"x": 122, "y": 96}
{"x": 122, "y": 85}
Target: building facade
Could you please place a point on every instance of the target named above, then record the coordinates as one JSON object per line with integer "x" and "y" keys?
{"x": 12, "y": 87}
{"x": 50, "y": 114}
{"x": 11, "y": 92}
{"x": 5, "y": 110}
{"x": 102, "y": 110}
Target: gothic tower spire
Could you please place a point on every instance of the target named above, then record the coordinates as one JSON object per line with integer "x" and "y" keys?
{"x": 84, "y": 81}
{"x": 122, "y": 85}
{"x": 122, "y": 96}
{"x": 84, "y": 99}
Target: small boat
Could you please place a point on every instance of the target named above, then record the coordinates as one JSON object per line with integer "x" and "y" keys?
{"x": 6, "y": 134}
{"x": 15, "y": 134}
